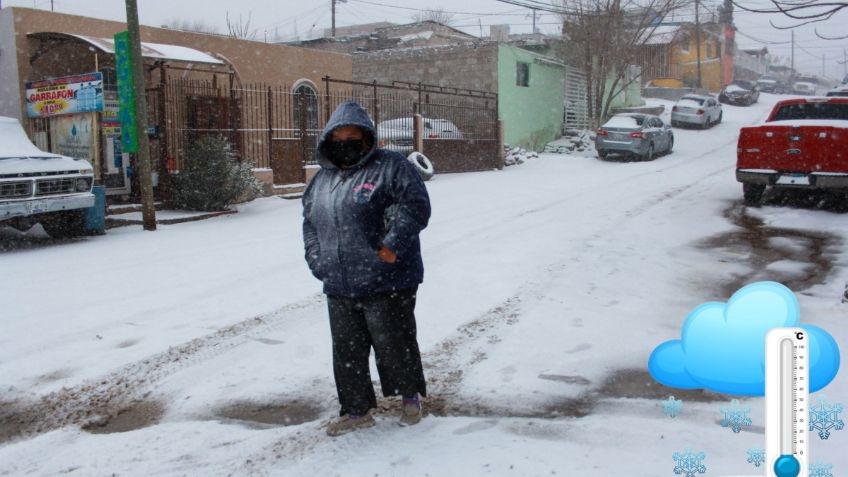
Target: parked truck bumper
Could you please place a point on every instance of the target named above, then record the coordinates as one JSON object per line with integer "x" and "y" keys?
{"x": 816, "y": 180}
{"x": 24, "y": 208}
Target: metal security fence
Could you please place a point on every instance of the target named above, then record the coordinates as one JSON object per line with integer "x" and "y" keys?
{"x": 459, "y": 130}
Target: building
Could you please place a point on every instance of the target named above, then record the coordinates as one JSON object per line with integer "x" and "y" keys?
{"x": 252, "y": 92}
{"x": 672, "y": 57}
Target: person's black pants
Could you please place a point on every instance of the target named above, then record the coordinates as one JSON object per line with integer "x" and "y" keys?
{"x": 385, "y": 321}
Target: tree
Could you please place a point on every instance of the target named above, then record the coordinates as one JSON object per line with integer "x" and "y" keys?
{"x": 802, "y": 12}
{"x": 437, "y": 15}
{"x": 604, "y": 38}
{"x": 212, "y": 178}
{"x": 725, "y": 13}
{"x": 241, "y": 28}
{"x": 197, "y": 26}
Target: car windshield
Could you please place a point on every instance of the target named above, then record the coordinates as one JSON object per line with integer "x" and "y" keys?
{"x": 696, "y": 99}
{"x": 743, "y": 84}
{"x": 400, "y": 123}
{"x": 812, "y": 111}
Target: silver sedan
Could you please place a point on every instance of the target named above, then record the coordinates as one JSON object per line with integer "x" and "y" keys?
{"x": 640, "y": 135}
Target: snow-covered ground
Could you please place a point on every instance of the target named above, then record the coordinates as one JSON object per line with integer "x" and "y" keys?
{"x": 204, "y": 349}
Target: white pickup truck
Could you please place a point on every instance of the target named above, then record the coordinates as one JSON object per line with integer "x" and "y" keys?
{"x": 38, "y": 186}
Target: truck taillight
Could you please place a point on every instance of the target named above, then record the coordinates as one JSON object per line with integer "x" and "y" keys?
{"x": 602, "y": 132}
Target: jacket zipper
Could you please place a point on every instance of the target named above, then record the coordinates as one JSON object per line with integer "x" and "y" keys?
{"x": 339, "y": 234}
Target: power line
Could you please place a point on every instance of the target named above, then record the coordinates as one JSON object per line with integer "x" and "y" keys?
{"x": 430, "y": 9}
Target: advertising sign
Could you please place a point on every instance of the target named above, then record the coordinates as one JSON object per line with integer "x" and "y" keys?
{"x": 67, "y": 95}
{"x": 73, "y": 136}
{"x": 126, "y": 92}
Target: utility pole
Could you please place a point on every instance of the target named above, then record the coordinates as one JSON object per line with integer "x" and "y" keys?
{"x": 148, "y": 210}
{"x": 792, "y": 66}
{"x": 698, "y": 41}
{"x": 333, "y": 28}
{"x": 823, "y": 67}
{"x": 534, "y": 20}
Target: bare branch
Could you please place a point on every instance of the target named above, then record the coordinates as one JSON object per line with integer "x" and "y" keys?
{"x": 803, "y": 11}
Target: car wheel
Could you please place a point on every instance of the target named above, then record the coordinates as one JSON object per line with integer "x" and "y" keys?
{"x": 602, "y": 154}
{"x": 670, "y": 145}
{"x": 719, "y": 118}
{"x": 649, "y": 154}
{"x": 753, "y": 194}
{"x": 422, "y": 165}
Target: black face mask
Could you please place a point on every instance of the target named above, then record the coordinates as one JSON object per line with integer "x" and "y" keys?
{"x": 344, "y": 154}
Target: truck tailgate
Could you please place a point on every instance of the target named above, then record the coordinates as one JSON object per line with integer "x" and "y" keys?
{"x": 794, "y": 148}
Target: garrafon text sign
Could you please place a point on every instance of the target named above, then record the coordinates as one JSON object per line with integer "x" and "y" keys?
{"x": 66, "y": 95}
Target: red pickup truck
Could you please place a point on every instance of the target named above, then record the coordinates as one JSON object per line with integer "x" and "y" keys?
{"x": 802, "y": 144}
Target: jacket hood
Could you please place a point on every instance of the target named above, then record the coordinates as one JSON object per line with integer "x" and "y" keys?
{"x": 349, "y": 113}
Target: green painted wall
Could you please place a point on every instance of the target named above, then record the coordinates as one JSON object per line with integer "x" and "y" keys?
{"x": 532, "y": 115}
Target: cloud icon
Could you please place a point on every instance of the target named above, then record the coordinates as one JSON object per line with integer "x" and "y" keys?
{"x": 722, "y": 346}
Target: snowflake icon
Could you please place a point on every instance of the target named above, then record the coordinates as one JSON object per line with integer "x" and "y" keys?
{"x": 824, "y": 417}
{"x": 735, "y": 416}
{"x": 689, "y": 463}
{"x": 756, "y": 456}
{"x": 820, "y": 470}
{"x": 672, "y": 407}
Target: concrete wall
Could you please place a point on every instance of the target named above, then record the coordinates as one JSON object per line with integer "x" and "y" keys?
{"x": 10, "y": 96}
{"x": 455, "y": 66}
{"x": 532, "y": 115}
{"x": 253, "y": 61}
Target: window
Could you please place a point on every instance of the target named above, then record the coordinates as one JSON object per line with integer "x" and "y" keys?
{"x": 308, "y": 106}
{"x": 712, "y": 50}
{"x": 522, "y": 74}
{"x": 684, "y": 41}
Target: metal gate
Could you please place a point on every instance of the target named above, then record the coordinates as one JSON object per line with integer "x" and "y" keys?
{"x": 576, "y": 100}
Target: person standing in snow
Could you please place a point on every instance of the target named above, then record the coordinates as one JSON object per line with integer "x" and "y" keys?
{"x": 362, "y": 213}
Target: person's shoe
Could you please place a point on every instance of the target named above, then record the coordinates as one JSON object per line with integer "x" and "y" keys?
{"x": 348, "y": 423}
{"x": 410, "y": 413}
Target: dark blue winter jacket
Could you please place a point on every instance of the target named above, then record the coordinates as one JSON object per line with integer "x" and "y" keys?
{"x": 348, "y": 214}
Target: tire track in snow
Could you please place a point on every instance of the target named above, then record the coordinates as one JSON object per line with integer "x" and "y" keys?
{"x": 97, "y": 401}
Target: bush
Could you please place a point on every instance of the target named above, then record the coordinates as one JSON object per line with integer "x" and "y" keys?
{"x": 212, "y": 177}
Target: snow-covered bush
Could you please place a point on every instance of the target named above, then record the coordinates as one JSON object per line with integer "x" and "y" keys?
{"x": 212, "y": 177}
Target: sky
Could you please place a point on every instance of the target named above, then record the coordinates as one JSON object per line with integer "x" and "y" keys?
{"x": 287, "y": 19}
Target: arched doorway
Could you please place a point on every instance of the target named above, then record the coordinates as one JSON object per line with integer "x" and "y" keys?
{"x": 306, "y": 120}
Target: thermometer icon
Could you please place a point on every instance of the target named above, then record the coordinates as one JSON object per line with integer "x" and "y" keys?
{"x": 787, "y": 397}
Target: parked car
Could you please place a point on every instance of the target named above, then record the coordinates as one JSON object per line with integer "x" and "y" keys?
{"x": 740, "y": 92}
{"x": 397, "y": 134}
{"x": 770, "y": 84}
{"x": 698, "y": 110}
{"x": 838, "y": 91}
{"x": 40, "y": 187}
{"x": 800, "y": 145}
{"x": 804, "y": 88}
{"x": 636, "y": 134}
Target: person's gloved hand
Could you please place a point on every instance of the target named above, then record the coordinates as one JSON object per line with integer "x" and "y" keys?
{"x": 386, "y": 255}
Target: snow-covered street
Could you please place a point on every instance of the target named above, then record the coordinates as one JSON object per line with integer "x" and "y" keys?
{"x": 204, "y": 348}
